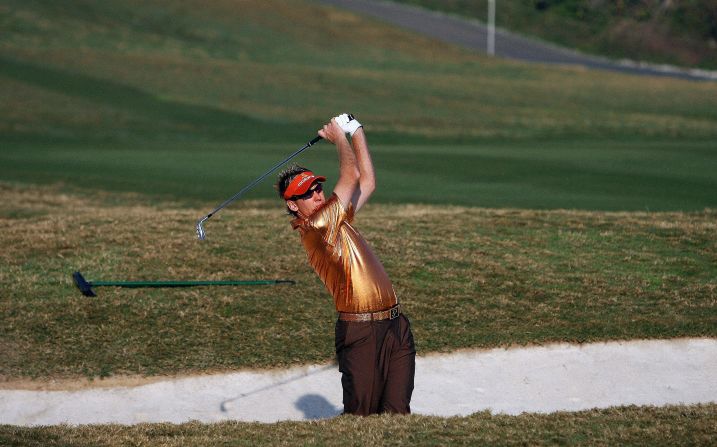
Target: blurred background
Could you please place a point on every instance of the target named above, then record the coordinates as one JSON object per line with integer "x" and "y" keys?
{"x": 189, "y": 100}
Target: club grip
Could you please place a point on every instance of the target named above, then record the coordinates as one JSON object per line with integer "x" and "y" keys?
{"x": 315, "y": 140}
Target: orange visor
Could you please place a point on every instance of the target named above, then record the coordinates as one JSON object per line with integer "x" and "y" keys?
{"x": 301, "y": 183}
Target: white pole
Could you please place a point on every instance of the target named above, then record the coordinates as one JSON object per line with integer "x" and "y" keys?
{"x": 491, "y": 27}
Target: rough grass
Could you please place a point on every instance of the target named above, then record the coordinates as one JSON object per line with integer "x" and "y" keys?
{"x": 634, "y": 426}
{"x": 468, "y": 277}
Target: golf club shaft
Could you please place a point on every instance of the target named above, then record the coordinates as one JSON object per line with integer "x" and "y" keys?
{"x": 262, "y": 177}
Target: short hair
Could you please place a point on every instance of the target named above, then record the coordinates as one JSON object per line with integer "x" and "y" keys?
{"x": 284, "y": 179}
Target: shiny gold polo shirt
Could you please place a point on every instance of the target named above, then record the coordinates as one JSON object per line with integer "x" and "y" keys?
{"x": 343, "y": 259}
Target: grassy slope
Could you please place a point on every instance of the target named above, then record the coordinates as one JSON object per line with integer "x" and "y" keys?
{"x": 680, "y": 33}
{"x": 141, "y": 97}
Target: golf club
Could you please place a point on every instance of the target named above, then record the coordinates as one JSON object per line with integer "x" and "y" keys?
{"x": 201, "y": 234}
{"x": 86, "y": 286}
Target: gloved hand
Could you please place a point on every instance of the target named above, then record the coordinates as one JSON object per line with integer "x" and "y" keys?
{"x": 348, "y": 123}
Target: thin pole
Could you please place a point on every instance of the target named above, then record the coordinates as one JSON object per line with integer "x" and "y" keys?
{"x": 491, "y": 27}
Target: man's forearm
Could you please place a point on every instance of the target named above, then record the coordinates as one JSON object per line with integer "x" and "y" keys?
{"x": 347, "y": 183}
{"x": 367, "y": 176}
{"x": 348, "y": 165}
{"x": 357, "y": 180}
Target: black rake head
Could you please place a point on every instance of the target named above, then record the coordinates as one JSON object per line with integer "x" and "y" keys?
{"x": 84, "y": 286}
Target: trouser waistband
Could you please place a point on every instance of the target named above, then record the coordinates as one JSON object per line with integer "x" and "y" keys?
{"x": 388, "y": 314}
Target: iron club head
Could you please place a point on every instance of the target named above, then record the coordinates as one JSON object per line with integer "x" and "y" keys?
{"x": 200, "y": 229}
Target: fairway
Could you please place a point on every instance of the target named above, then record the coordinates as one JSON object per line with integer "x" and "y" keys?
{"x": 651, "y": 174}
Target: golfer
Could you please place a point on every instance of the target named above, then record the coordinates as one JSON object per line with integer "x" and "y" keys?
{"x": 374, "y": 344}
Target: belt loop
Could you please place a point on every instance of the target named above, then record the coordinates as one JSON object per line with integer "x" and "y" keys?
{"x": 394, "y": 312}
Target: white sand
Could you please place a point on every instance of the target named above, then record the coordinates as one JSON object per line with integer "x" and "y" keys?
{"x": 536, "y": 379}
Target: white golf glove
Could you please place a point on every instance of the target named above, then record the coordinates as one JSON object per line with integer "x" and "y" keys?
{"x": 348, "y": 123}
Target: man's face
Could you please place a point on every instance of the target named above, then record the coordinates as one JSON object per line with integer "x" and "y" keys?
{"x": 309, "y": 202}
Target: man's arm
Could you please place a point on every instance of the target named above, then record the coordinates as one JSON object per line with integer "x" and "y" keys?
{"x": 367, "y": 177}
{"x": 347, "y": 183}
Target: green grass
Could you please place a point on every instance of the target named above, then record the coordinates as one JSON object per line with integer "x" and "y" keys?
{"x": 629, "y": 426}
{"x": 123, "y": 71}
{"x": 117, "y": 96}
{"x": 656, "y": 174}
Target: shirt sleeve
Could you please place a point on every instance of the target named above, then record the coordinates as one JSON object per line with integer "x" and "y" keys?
{"x": 329, "y": 218}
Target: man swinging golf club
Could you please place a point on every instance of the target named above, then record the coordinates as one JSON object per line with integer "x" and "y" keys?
{"x": 374, "y": 343}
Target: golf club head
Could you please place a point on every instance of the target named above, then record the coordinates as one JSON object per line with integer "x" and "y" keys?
{"x": 200, "y": 229}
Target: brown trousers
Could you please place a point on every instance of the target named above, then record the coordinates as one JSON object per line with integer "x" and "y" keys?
{"x": 377, "y": 360}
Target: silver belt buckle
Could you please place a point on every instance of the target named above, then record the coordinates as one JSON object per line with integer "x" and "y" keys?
{"x": 394, "y": 313}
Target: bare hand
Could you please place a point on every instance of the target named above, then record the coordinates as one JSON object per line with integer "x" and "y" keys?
{"x": 331, "y": 131}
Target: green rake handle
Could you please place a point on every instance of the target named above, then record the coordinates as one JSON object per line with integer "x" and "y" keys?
{"x": 138, "y": 284}
{"x": 86, "y": 286}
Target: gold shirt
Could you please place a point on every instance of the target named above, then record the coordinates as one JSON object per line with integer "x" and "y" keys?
{"x": 343, "y": 260}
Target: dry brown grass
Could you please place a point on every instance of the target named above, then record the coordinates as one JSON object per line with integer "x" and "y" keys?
{"x": 468, "y": 278}
{"x": 648, "y": 426}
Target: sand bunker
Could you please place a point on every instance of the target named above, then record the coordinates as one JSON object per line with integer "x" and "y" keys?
{"x": 535, "y": 379}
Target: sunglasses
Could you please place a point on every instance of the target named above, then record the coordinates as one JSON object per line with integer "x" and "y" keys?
{"x": 310, "y": 192}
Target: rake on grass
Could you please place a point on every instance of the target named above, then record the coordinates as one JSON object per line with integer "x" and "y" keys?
{"x": 86, "y": 286}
